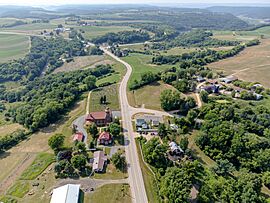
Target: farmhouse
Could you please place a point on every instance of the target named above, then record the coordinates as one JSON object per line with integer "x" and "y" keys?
{"x": 100, "y": 118}
{"x": 78, "y": 137}
{"x": 66, "y": 194}
{"x": 210, "y": 88}
{"x": 99, "y": 161}
{"x": 140, "y": 122}
{"x": 105, "y": 138}
{"x": 200, "y": 79}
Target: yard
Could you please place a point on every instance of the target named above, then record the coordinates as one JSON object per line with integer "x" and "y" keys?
{"x": 13, "y": 47}
{"x": 111, "y": 173}
{"x": 112, "y": 193}
{"x": 112, "y": 99}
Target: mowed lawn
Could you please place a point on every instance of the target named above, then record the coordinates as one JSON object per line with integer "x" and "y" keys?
{"x": 253, "y": 64}
{"x": 111, "y": 93}
{"x": 110, "y": 193}
{"x": 13, "y": 47}
{"x": 148, "y": 96}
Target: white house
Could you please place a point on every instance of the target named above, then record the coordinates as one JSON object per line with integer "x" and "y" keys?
{"x": 66, "y": 194}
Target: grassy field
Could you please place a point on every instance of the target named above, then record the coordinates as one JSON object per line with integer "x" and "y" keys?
{"x": 6, "y": 129}
{"x": 141, "y": 97}
{"x": 200, "y": 155}
{"x": 141, "y": 64}
{"x": 116, "y": 77}
{"x": 95, "y": 31}
{"x": 111, "y": 193}
{"x": 111, "y": 93}
{"x": 111, "y": 173}
{"x": 13, "y": 47}
{"x": 82, "y": 62}
{"x": 149, "y": 179}
{"x": 19, "y": 189}
{"x": 42, "y": 161}
{"x": 253, "y": 64}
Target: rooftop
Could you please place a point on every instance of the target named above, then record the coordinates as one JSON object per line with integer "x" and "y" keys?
{"x": 66, "y": 194}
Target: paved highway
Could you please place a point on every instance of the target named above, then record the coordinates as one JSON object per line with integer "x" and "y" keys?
{"x": 138, "y": 191}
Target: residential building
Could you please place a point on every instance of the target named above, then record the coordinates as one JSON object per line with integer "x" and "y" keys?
{"x": 200, "y": 79}
{"x": 79, "y": 136}
{"x": 139, "y": 122}
{"x": 66, "y": 194}
{"x": 210, "y": 88}
{"x": 99, "y": 161}
{"x": 105, "y": 138}
{"x": 175, "y": 149}
{"x": 229, "y": 79}
{"x": 100, "y": 118}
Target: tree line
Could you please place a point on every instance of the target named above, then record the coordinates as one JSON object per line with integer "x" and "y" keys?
{"x": 47, "y": 53}
{"x": 46, "y": 99}
{"x": 124, "y": 37}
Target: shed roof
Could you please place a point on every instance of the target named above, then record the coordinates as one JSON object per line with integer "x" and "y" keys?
{"x": 105, "y": 136}
{"x": 66, "y": 194}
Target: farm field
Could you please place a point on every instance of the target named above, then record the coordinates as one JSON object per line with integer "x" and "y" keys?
{"x": 95, "y": 31}
{"x": 252, "y": 64}
{"x": 13, "y": 47}
{"x": 141, "y": 64}
{"x": 243, "y": 35}
{"x": 31, "y": 28}
{"x": 113, "y": 193}
{"x": 141, "y": 97}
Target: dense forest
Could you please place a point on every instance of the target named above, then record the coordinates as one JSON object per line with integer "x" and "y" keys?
{"x": 124, "y": 37}
{"x": 45, "y": 54}
{"x": 46, "y": 99}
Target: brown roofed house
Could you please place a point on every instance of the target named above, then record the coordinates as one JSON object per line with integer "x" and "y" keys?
{"x": 105, "y": 138}
{"x": 100, "y": 118}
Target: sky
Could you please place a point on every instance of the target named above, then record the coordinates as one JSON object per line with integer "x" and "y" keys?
{"x": 62, "y": 2}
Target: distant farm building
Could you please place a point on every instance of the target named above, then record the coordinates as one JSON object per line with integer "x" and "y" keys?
{"x": 229, "y": 79}
{"x": 175, "y": 150}
{"x": 66, "y": 194}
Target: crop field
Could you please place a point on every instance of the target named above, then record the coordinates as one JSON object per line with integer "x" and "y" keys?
{"x": 253, "y": 64}
{"x": 95, "y": 31}
{"x": 141, "y": 97}
{"x": 13, "y": 47}
{"x": 32, "y": 27}
{"x": 141, "y": 64}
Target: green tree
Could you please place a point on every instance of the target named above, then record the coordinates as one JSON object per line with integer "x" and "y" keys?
{"x": 114, "y": 129}
{"x": 184, "y": 143}
{"x": 93, "y": 130}
{"x": 56, "y": 142}
{"x": 119, "y": 161}
{"x": 79, "y": 161}
{"x": 204, "y": 96}
{"x": 162, "y": 130}
{"x": 90, "y": 82}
